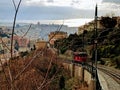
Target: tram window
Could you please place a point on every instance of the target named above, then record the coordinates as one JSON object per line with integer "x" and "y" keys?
{"x": 76, "y": 57}
{"x": 82, "y": 55}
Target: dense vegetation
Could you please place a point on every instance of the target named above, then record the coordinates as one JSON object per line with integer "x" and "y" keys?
{"x": 108, "y": 42}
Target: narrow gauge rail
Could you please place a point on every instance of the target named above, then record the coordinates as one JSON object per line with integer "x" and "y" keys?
{"x": 112, "y": 73}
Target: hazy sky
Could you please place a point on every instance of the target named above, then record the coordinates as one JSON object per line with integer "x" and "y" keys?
{"x": 77, "y": 11}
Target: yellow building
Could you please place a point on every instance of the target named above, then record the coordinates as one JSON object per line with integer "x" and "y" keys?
{"x": 40, "y": 44}
{"x": 53, "y": 36}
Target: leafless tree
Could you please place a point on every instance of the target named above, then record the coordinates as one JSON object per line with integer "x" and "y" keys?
{"x": 16, "y": 77}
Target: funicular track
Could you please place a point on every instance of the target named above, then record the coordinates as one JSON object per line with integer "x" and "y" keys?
{"x": 112, "y": 73}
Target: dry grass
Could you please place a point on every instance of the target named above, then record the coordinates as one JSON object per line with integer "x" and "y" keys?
{"x": 33, "y": 76}
{"x": 42, "y": 74}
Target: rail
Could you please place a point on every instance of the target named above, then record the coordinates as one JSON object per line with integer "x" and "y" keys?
{"x": 112, "y": 73}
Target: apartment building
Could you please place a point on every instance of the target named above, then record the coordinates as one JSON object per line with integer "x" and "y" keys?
{"x": 53, "y": 36}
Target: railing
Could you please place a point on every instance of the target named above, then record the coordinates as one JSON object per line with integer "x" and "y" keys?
{"x": 91, "y": 69}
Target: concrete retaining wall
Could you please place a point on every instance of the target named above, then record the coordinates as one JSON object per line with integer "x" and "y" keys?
{"x": 77, "y": 71}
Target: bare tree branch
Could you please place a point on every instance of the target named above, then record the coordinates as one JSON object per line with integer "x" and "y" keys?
{"x": 48, "y": 81}
{"x": 27, "y": 65}
{"x": 14, "y": 5}
{"x": 58, "y": 29}
{"x": 2, "y": 66}
{"x": 27, "y": 31}
{"x": 46, "y": 73}
{"x": 13, "y": 28}
{"x": 5, "y": 44}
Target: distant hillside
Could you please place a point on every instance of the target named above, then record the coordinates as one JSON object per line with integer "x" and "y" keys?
{"x": 42, "y": 30}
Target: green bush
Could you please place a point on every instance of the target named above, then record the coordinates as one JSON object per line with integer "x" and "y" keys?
{"x": 63, "y": 50}
{"x": 116, "y": 60}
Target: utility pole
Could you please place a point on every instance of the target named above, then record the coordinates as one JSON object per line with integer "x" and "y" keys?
{"x": 94, "y": 85}
{"x": 95, "y": 43}
{"x": 83, "y": 41}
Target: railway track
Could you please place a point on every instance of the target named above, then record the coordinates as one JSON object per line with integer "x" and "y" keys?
{"x": 115, "y": 74}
